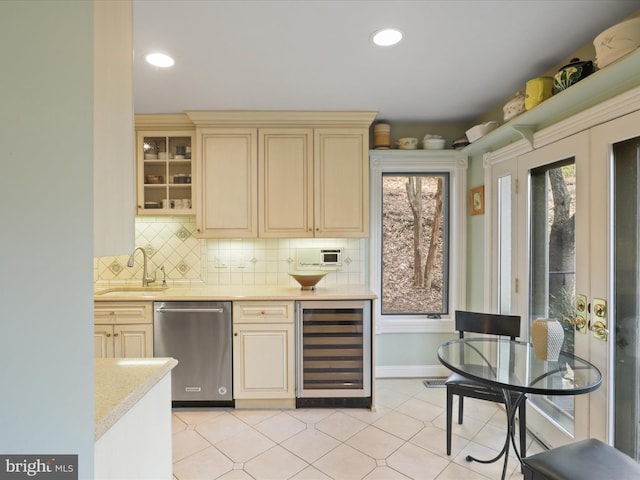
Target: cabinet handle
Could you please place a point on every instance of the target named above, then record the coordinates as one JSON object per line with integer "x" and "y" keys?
{"x": 235, "y": 334}
{"x": 108, "y": 335}
{"x": 190, "y": 310}
{"x": 115, "y": 334}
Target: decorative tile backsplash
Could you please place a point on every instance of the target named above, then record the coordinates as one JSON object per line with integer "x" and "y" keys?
{"x": 170, "y": 243}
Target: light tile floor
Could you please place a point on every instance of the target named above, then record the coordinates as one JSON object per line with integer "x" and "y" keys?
{"x": 404, "y": 438}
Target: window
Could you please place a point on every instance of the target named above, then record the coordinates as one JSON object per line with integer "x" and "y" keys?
{"x": 417, "y": 227}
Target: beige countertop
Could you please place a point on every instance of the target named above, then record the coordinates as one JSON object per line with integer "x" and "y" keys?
{"x": 120, "y": 383}
{"x": 231, "y": 292}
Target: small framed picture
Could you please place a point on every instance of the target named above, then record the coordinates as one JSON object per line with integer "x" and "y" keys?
{"x": 476, "y": 200}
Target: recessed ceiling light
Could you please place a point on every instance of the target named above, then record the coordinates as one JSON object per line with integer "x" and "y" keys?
{"x": 160, "y": 60}
{"x": 387, "y": 37}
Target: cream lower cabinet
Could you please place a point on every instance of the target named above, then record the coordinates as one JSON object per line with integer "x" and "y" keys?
{"x": 123, "y": 329}
{"x": 263, "y": 354}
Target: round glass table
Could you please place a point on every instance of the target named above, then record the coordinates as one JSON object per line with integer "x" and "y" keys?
{"x": 512, "y": 366}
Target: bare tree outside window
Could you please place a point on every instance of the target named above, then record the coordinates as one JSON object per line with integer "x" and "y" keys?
{"x": 414, "y": 235}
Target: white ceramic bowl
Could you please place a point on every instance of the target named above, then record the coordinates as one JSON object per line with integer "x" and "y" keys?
{"x": 617, "y": 41}
{"x": 479, "y": 131}
{"x": 407, "y": 143}
{"x": 433, "y": 143}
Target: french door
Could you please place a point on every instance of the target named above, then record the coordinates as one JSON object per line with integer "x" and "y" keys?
{"x": 554, "y": 269}
{"x": 571, "y": 237}
{"x": 615, "y": 153}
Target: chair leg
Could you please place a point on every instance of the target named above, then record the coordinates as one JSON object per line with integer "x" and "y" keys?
{"x": 460, "y": 408}
{"x": 449, "y": 419}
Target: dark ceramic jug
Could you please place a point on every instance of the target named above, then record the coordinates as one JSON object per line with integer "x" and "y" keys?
{"x": 572, "y": 73}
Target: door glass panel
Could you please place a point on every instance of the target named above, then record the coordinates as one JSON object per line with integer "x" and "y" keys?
{"x": 553, "y": 265}
{"x": 626, "y": 295}
{"x": 504, "y": 244}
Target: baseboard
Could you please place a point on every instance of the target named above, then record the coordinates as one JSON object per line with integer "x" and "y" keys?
{"x": 411, "y": 371}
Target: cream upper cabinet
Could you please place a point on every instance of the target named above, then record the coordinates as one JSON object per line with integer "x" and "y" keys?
{"x": 285, "y": 182}
{"x": 284, "y": 174}
{"x": 228, "y": 171}
{"x": 313, "y": 182}
{"x": 341, "y": 182}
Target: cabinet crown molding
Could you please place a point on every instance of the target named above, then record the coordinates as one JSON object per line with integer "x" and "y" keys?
{"x": 293, "y": 118}
{"x": 172, "y": 121}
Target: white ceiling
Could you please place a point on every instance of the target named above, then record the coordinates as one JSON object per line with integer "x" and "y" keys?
{"x": 458, "y": 59}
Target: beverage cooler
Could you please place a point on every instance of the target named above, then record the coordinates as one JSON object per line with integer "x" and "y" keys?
{"x": 333, "y": 354}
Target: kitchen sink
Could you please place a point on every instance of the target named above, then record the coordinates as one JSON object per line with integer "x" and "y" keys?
{"x": 133, "y": 291}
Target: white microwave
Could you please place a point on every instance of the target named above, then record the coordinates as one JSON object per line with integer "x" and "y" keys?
{"x": 311, "y": 258}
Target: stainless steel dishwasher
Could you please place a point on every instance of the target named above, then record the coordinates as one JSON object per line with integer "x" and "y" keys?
{"x": 198, "y": 335}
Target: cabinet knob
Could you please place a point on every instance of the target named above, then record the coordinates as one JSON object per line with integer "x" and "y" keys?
{"x": 115, "y": 334}
{"x": 108, "y": 335}
{"x": 235, "y": 334}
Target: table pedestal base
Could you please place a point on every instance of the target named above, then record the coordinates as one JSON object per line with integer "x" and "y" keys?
{"x": 511, "y": 408}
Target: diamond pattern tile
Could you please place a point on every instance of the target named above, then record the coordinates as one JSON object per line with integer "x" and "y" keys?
{"x": 116, "y": 268}
{"x": 170, "y": 241}
{"x": 405, "y": 441}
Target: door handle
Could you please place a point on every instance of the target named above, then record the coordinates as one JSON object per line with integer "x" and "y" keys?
{"x": 600, "y": 331}
{"x": 580, "y": 321}
{"x": 599, "y": 327}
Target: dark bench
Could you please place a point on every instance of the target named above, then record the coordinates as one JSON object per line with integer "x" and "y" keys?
{"x": 585, "y": 460}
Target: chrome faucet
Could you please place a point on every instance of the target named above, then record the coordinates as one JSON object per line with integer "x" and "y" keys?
{"x": 146, "y": 278}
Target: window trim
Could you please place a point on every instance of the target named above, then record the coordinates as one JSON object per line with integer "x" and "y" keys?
{"x": 405, "y": 162}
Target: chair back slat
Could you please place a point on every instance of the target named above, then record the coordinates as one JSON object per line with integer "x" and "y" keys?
{"x": 487, "y": 323}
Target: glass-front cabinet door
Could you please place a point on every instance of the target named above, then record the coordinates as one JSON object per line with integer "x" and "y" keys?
{"x": 164, "y": 180}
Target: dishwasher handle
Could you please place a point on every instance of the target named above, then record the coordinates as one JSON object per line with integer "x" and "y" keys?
{"x": 190, "y": 310}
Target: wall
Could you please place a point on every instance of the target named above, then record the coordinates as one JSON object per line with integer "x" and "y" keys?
{"x": 410, "y": 354}
{"x": 187, "y": 260}
{"x": 46, "y": 206}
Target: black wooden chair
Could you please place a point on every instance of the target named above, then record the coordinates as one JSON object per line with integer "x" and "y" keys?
{"x": 487, "y": 324}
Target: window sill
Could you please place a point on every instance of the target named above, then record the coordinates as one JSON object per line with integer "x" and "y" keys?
{"x": 400, "y": 324}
